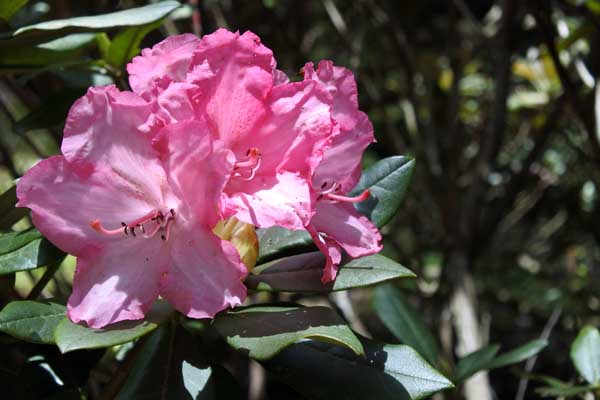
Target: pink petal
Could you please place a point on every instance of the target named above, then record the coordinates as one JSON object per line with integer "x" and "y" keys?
{"x": 280, "y": 77}
{"x": 266, "y": 201}
{"x": 117, "y": 283}
{"x": 332, "y": 252}
{"x": 167, "y": 61}
{"x": 102, "y": 128}
{"x": 242, "y": 70}
{"x": 65, "y": 199}
{"x": 204, "y": 276}
{"x": 197, "y": 169}
{"x": 296, "y": 130}
{"x": 347, "y": 227}
{"x": 355, "y": 129}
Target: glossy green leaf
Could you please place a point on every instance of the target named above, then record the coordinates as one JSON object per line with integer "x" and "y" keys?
{"x": 8, "y": 8}
{"x": 400, "y": 317}
{"x": 278, "y": 242}
{"x": 585, "y": 354}
{"x": 170, "y": 366}
{"x": 519, "y": 354}
{"x": 33, "y": 321}
{"x": 263, "y": 332}
{"x": 70, "y": 48}
{"x": 302, "y": 273}
{"x": 475, "y": 362}
{"x": 126, "y": 44}
{"x": 9, "y": 214}
{"x": 49, "y": 30}
{"x": 70, "y": 337}
{"x": 21, "y": 251}
{"x": 388, "y": 181}
{"x": 386, "y": 372}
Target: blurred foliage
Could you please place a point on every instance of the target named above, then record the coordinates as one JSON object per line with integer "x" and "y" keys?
{"x": 497, "y": 101}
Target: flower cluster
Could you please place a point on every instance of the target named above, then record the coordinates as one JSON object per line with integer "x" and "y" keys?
{"x": 211, "y": 131}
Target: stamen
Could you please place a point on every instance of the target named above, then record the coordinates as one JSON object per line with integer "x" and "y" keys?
{"x": 334, "y": 186}
{"x": 252, "y": 163}
{"x": 97, "y": 226}
{"x": 356, "y": 199}
{"x": 153, "y": 231}
{"x": 145, "y": 218}
{"x": 167, "y": 233}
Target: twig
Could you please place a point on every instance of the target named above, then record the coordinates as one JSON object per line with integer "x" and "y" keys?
{"x": 554, "y": 317}
{"x": 41, "y": 284}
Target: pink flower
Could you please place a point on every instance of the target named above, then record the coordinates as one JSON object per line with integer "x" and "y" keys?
{"x": 277, "y": 131}
{"x": 336, "y": 222}
{"x": 297, "y": 145}
{"x": 137, "y": 209}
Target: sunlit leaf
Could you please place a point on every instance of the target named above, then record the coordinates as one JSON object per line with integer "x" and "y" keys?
{"x": 325, "y": 371}
{"x": 400, "y": 317}
{"x": 388, "y": 181}
{"x": 585, "y": 354}
{"x": 70, "y": 337}
{"x": 21, "y": 251}
{"x": 302, "y": 273}
{"x": 49, "y": 30}
{"x": 33, "y": 321}
{"x": 264, "y": 331}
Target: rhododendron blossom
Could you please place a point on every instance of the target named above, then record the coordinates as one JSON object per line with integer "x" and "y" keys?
{"x": 137, "y": 207}
{"x": 297, "y": 145}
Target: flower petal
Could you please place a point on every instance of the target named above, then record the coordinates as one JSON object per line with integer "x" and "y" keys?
{"x": 242, "y": 76}
{"x": 102, "y": 128}
{"x": 167, "y": 61}
{"x": 355, "y": 130}
{"x": 204, "y": 276}
{"x": 64, "y": 200}
{"x": 294, "y": 133}
{"x": 117, "y": 283}
{"x": 265, "y": 201}
{"x": 197, "y": 169}
{"x": 332, "y": 252}
{"x": 347, "y": 227}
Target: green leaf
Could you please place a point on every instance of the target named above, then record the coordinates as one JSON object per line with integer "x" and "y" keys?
{"x": 263, "y": 331}
{"x": 8, "y": 8}
{"x": 569, "y": 391}
{"x": 126, "y": 44}
{"x": 302, "y": 273}
{"x": 170, "y": 366}
{"x": 26, "y": 250}
{"x": 32, "y": 321}
{"x": 70, "y": 337}
{"x": 49, "y": 30}
{"x": 278, "y": 242}
{"x": 388, "y": 182}
{"x": 386, "y": 372}
{"x": 475, "y": 362}
{"x": 519, "y": 354}
{"x": 59, "y": 51}
{"x": 9, "y": 214}
{"x": 585, "y": 354}
{"x": 400, "y": 317}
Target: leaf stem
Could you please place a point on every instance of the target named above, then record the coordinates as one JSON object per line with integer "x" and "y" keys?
{"x": 41, "y": 284}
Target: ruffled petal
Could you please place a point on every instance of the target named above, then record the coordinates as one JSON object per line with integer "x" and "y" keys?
{"x": 167, "y": 61}
{"x": 117, "y": 283}
{"x": 65, "y": 200}
{"x": 355, "y": 130}
{"x": 103, "y": 128}
{"x": 242, "y": 75}
{"x": 197, "y": 169}
{"x": 265, "y": 201}
{"x": 204, "y": 276}
{"x": 347, "y": 227}
{"x": 294, "y": 133}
